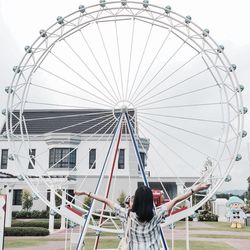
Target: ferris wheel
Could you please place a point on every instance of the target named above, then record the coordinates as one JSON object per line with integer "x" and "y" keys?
{"x": 131, "y": 73}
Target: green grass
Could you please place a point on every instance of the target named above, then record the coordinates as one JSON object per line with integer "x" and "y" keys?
{"x": 212, "y": 226}
{"x": 113, "y": 243}
{"x": 225, "y": 226}
{"x": 22, "y": 243}
{"x": 198, "y": 245}
{"x": 221, "y": 236}
{"x": 178, "y": 245}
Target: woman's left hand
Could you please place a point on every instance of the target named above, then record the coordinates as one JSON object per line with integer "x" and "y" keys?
{"x": 201, "y": 186}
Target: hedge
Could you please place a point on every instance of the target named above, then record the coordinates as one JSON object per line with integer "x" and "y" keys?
{"x": 26, "y": 231}
{"x": 32, "y": 214}
{"x": 41, "y": 224}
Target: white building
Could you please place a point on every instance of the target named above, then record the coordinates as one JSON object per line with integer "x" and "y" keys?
{"x": 70, "y": 146}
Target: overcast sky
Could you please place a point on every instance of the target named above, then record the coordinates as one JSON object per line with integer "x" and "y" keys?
{"x": 21, "y": 20}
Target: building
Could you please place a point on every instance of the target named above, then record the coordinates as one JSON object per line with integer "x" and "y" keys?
{"x": 67, "y": 149}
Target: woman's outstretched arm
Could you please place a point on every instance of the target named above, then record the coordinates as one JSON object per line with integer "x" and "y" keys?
{"x": 100, "y": 198}
{"x": 179, "y": 198}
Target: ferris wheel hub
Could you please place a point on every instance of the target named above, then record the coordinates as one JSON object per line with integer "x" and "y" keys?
{"x": 123, "y": 106}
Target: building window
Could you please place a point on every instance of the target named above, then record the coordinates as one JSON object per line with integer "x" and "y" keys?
{"x": 70, "y": 195}
{"x": 62, "y": 157}
{"x": 121, "y": 159}
{"x": 17, "y": 197}
{"x": 32, "y": 155}
{"x": 4, "y": 159}
{"x": 143, "y": 159}
{"x": 92, "y": 158}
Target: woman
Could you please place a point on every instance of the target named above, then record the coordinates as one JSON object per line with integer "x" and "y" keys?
{"x": 145, "y": 220}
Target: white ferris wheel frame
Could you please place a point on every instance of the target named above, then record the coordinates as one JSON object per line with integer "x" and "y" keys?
{"x": 68, "y": 25}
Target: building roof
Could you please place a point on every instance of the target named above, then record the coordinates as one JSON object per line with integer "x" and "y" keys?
{"x": 86, "y": 121}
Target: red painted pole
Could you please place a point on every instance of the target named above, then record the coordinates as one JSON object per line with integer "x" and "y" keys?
{"x": 109, "y": 185}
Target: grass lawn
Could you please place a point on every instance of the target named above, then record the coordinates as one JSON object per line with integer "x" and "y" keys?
{"x": 10, "y": 243}
{"x": 179, "y": 245}
{"x": 198, "y": 245}
{"x": 225, "y": 226}
{"x": 212, "y": 226}
{"x": 113, "y": 243}
{"x": 220, "y": 236}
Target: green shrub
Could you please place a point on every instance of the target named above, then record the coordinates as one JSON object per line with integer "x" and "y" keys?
{"x": 39, "y": 224}
{"x": 26, "y": 231}
{"x": 207, "y": 216}
{"x": 38, "y": 214}
{"x": 32, "y": 214}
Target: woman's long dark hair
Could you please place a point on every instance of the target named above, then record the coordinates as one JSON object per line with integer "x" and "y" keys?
{"x": 143, "y": 204}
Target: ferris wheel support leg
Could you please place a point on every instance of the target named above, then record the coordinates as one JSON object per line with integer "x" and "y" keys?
{"x": 109, "y": 184}
{"x": 52, "y": 215}
{"x": 87, "y": 218}
{"x": 63, "y": 204}
{"x": 145, "y": 180}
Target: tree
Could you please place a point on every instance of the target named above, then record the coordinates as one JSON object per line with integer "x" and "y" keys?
{"x": 27, "y": 200}
{"x": 248, "y": 192}
{"x": 87, "y": 201}
{"x": 121, "y": 199}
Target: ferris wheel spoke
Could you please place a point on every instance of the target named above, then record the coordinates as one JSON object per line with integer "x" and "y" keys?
{"x": 152, "y": 62}
{"x": 172, "y": 151}
{"x": 93, "y": 74}
{"x": 106, "y": 124}
{"x": 130, "y": 56}
{"x": 77, "y": 86}
{"x": 69, "y": 116}
{"x": 155, "y": 169}
{"x": 40, "y": 104}
{"x": 183, "y": 94}
{"x": 67, "y": 94}
{"x": 75, "y": 72}
{"x": 184, "y": 118}
{"x": 108, "y": 58}
{"x": 141, "y": 58}
{"x": 119, "y": 59}
{"x": 160, "y": 92}
{"x": 150, "y": 65}
{"x": 108, "y": 138}
{"x": 182, "y": 129}
{"x": 81, "y": 123}
{"x": 184, "y": 106}
{"x": 99, "y": 66}
{"x": 178, "y": 140}
{"x": 160, "y": 70}
{"x": 166, "y": 78}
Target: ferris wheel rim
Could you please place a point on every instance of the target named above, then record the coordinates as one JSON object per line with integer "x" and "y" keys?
{"x": 238, "y": 96}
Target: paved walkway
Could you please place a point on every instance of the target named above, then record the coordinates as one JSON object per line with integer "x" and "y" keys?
{"x": 56, "y": 241}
